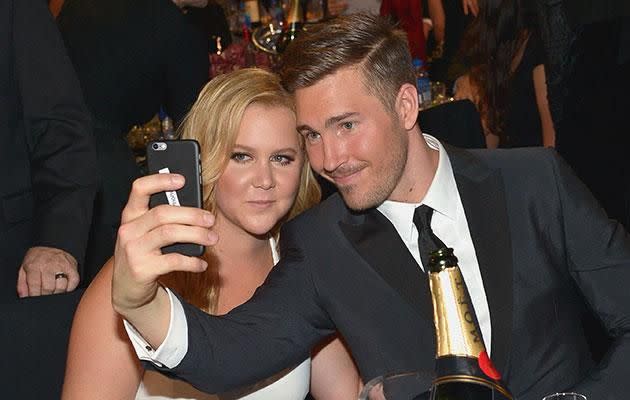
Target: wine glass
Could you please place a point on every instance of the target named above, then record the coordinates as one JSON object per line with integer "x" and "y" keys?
{"x": 398, "y": 386}
{"x": 565, "y": 396}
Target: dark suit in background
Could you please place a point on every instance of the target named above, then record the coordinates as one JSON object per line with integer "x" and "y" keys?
{"x": 593, "y": 130}
{"x": 131, "y": 57}
{"x": 587, "y": 46}
{"x": 47, "y": 153}
{"x": 546, "y": 252}
{"x": 441, "y": 69}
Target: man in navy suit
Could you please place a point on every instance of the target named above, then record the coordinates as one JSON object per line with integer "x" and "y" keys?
{"x": 534, "y": 247}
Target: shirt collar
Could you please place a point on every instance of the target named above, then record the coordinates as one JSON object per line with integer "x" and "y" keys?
{"x": 441, "y": 196}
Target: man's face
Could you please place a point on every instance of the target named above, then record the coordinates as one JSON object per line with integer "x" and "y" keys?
{"x": 351, "y": 138}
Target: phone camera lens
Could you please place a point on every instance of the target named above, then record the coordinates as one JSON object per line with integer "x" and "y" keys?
{"x": 156, "y": 146}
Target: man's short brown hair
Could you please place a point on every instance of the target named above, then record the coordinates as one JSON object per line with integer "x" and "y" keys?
{"x": 372, "y": 43}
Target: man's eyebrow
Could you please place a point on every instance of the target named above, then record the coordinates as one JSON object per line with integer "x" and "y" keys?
{"x": 334, "y": 120}
{"x": 329, "y": 122}
{"x": 302, "y": 128}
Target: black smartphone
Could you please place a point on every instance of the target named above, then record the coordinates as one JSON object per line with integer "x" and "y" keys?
{"x": 177, "y": 157}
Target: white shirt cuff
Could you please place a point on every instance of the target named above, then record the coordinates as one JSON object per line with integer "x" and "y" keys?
{"x": 175, "y": 346}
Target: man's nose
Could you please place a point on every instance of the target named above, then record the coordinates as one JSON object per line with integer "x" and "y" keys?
{"x": 334, "y": 153}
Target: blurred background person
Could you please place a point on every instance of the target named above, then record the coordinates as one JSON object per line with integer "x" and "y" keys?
{"x": 587, "y": 45}
{"x": 506, "y": 75}
{"x": 409, "y": 15}
{"x": 46, "y": 154}
{"x": 255, "y": 176}
{"x": 49, "y": 174}
{"x": 131, "y": 58}
{"x": 587, "y": 48}
{"x": 213, "y": 20}
{"x": 443, "y": 40}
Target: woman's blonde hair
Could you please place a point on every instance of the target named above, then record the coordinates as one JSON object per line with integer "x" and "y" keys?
{"x": 214, "y": 121}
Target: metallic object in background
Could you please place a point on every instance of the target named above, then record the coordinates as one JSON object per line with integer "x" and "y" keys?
{"x": 265, "y": 38}
{"x": 274, "y": 39}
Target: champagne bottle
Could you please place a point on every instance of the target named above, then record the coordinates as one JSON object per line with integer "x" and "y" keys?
{"x": 463, "y": 369}
{"x": 293, "y": 26}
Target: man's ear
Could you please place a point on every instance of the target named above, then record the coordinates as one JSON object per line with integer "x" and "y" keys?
{"x": 407, "y": 105}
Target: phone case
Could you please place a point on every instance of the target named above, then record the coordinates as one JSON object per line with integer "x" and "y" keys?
{"x": 180, "y": 157}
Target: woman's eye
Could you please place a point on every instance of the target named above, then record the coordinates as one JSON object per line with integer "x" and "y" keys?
{"x": 240, "y": 157}
{"x": 282, "y": 159}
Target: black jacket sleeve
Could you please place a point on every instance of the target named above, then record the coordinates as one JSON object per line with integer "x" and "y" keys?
{"x": 275, "y": 330}
{"x": 58, "y": 131}
{"x": 597, "y": 259}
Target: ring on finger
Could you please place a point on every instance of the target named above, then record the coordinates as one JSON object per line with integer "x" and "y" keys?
{"x": 61, "y": 275}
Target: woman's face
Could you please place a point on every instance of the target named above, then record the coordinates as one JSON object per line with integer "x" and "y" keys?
{"x": 262, "y": 177}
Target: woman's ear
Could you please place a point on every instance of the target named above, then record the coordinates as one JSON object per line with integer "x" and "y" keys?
{"x": 407, "y": 105}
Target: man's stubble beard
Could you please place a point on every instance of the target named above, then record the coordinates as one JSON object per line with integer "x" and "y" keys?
{"x": 378, "y": 190}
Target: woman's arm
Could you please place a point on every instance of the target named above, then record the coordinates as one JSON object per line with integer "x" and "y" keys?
{"x": 101, "y": 362}
{"x": 438, "y": 18}
{"x": 540, "y": 87}
{"x": 333, "y": 373}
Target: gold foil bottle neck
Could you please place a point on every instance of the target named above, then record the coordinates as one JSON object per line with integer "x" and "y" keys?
{"x": 441, "y": 259}
{"x": 456, "y": 328}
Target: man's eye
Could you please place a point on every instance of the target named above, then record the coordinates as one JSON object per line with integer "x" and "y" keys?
{"x": 347, "y": 125}
{"x": 312, "y": 136}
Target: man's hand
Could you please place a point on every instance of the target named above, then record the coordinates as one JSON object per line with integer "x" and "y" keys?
{"x": 470, "y": 6}
{"x": 190, "y": 3}
{"x": 47, "y": 270}
{"x": 138, "y": 259}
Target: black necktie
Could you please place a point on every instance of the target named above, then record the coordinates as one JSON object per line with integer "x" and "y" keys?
{"x": 427, "y": 241}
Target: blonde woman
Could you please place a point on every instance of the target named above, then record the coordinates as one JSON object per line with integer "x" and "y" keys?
{"x": 255, "y": 176}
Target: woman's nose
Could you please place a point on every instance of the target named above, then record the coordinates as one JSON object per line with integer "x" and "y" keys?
{"x": 264, "y": 178}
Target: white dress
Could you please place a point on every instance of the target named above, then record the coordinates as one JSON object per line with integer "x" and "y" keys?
{"x": 292, "y": 384}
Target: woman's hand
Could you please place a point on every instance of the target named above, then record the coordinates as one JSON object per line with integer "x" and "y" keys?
{"x": 138, "y": 259}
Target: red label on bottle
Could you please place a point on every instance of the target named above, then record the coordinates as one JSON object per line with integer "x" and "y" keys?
{"x": 485, "y": 363}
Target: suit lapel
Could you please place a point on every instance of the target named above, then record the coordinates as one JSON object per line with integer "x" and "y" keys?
{"x": 483, "y": 197}
{"x": 376, "y": 240}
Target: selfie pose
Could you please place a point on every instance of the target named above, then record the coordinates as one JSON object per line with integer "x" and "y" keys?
{"x": 535, "y": 249}
{"x": 255, "y": 176}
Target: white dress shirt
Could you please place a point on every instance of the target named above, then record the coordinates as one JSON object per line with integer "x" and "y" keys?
{"x": 448, "y": 223}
